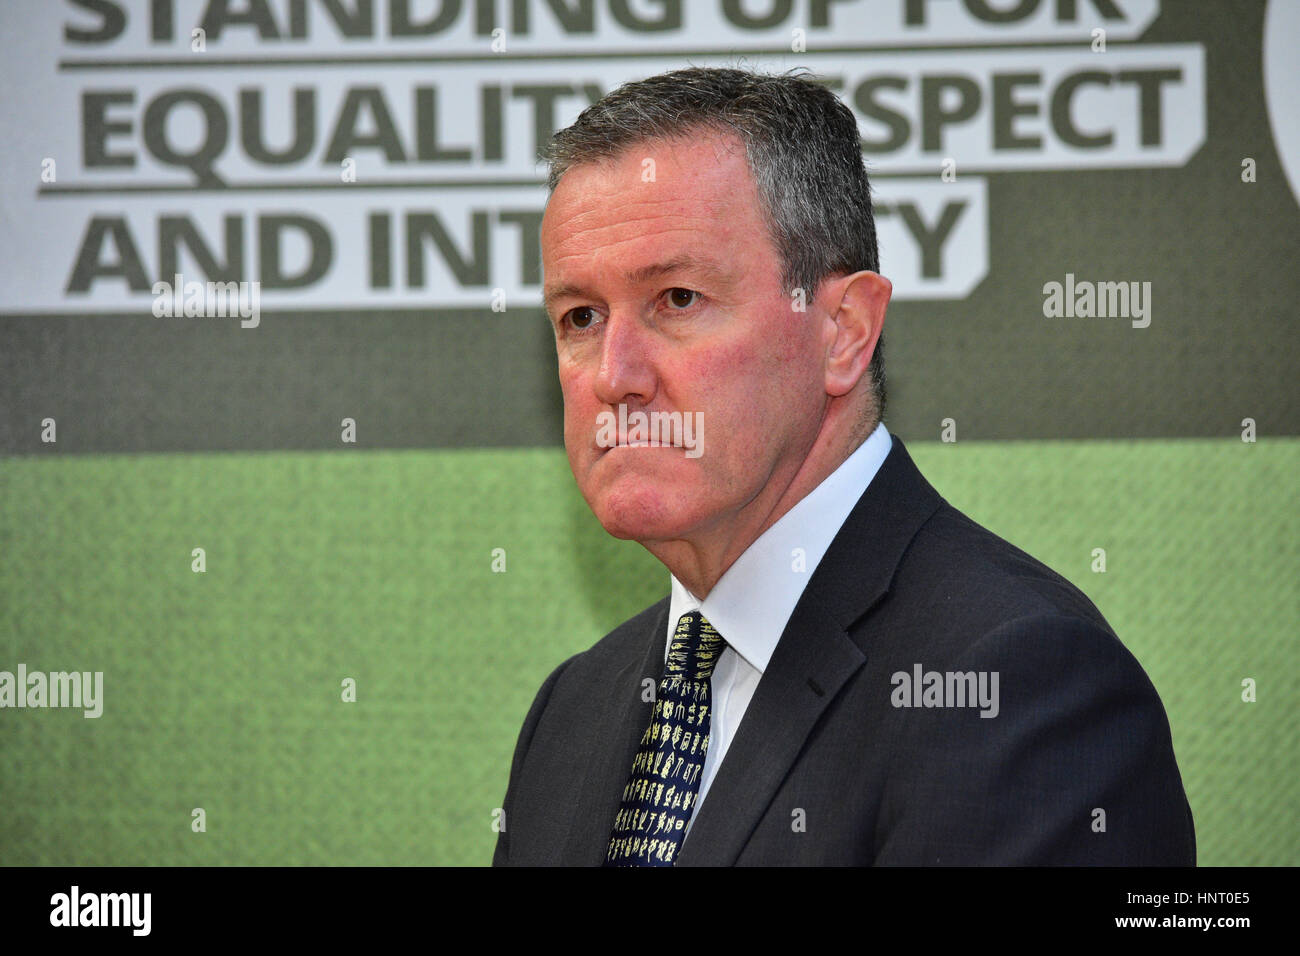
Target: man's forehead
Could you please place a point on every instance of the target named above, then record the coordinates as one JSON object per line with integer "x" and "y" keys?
{"x": 693, "y": 147}
{"x": 656, "y": 186}
{"x": 654, "y": 170}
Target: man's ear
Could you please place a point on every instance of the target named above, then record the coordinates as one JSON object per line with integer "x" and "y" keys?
{"x": 855, "y": 318}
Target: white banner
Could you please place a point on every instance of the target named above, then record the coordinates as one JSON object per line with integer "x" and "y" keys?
{"x": 377, "y": 171}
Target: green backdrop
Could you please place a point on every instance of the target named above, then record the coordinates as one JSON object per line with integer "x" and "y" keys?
{"x": 222, "y": 689}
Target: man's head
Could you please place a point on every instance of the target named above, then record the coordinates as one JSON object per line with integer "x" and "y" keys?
{"x": 709, "y": 249}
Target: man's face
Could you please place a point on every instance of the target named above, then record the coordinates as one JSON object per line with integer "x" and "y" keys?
{"x": 665, "y": 296}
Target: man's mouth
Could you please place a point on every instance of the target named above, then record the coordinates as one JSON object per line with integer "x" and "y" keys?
{"x": 659, "y": 429}
{"x": 623, "y": 442}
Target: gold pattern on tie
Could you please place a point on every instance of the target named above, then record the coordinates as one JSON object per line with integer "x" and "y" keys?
{"x": 665, "y": 780}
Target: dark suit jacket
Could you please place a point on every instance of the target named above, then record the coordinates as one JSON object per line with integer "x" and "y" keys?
{"x": 824, "y": 769}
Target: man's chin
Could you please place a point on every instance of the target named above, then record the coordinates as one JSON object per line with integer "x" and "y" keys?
{"x": 636, "y": 511}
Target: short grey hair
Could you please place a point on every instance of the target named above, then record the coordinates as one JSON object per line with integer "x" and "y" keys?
{"x": 802, "y": 146}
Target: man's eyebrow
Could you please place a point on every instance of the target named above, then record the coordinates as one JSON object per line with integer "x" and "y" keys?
{"x": 706, "y": 267}
{"x": 560, "y": 292}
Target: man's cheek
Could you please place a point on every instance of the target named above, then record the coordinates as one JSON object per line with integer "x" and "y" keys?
{"x": 576, "y": 436}
{"x": 722, "y": 383}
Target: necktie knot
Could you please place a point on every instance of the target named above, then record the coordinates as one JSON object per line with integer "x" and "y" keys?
{"x": 695, "y": 648}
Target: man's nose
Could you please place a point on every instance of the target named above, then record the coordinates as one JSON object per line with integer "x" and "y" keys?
{"x": 626, "y": 362}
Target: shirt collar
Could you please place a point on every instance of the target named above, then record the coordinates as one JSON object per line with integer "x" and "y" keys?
{"x": 753, "y": 600}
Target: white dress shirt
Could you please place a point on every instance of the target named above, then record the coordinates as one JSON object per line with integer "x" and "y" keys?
{"x": 753, "y": 600}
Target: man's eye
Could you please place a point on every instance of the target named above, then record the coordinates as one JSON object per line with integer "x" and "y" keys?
{"x": 582, "y": 317}
{"x": 682, "y": 298}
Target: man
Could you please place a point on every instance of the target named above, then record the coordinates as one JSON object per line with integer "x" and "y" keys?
{"x": 847, "y": 670}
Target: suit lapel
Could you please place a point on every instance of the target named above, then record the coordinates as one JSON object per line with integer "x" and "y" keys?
{"x": 813, "y": 660}
{"x": 623, "y": 719}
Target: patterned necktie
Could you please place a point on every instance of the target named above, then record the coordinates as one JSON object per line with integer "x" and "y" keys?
{"x": 660, "y": 793}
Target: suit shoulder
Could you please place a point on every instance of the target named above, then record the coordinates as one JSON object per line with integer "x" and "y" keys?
{"x": 964, "y": 568}
{"x": 963, "y": 597}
